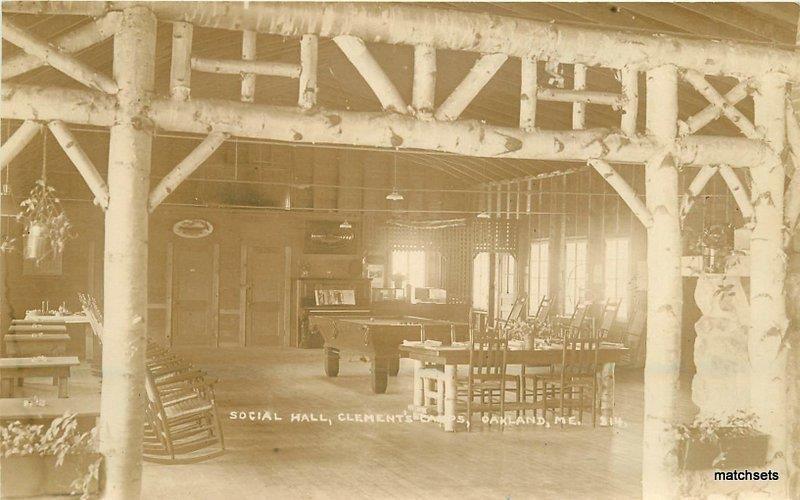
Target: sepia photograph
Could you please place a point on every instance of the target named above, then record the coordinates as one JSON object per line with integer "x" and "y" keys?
{"x": 399, "y": 250}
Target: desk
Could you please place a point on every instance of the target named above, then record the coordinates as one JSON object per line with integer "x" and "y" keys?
{"x": 450, "y": 357}
{"x": 20, "y": 368}
{"x": 378, "y": 338}
{"x": 35, "y": 344}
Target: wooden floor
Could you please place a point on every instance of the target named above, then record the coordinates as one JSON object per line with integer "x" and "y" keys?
{"x": 383, "y": 460}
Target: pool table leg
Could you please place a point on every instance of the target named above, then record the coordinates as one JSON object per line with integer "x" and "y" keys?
{"x": 394, "y": 366}
{"x": 331, "y": 362}
{"x": 380, "y": 375}
{"x": 449, "y": 398}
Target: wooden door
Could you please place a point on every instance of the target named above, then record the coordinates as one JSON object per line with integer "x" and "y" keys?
{"x": 193, "y": 279}
{"x": 265, "y": 295}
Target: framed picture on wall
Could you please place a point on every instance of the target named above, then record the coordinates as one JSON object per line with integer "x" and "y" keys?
{"x": 330, "y": 237}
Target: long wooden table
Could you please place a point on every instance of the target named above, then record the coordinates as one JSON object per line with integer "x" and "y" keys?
{"x": 35, "y": 344}
{"x": 73, "y": 321}
{"x": 86, "y": 407}
{"x": 51, "y": 367}
{"x": 449, "y": 357}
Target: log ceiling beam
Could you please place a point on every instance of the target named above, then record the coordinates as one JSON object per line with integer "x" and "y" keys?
{"x": 17, "y": 141}
{"x": 75, "y": 41}
{"x": 624, "y": 190}
{"x": 377, "y": 129}
{"x": 97, "y": 185}
{"x": 56, "y": 58}
{"x": 453, "y": 30}
{"x": 185, "y": 168}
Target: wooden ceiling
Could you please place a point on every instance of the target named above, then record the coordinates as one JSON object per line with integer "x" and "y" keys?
{"x": 341, "y": 87}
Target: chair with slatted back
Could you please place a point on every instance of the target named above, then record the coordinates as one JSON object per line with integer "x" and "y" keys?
{"x": 635, "y": 336}
{"x": 577, "y": 322}
{"x": 573, "y": 384}
{"x": 487, "y": 384}
{"x": 610, "y": 309}
{"x": 541, "y": 320}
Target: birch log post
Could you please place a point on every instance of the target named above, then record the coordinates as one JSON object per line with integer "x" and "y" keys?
{"x": 528, "y": 93}
{"x": 713, "y": 96}
{"x": 768, "y": 321}
{"x": 125, "y": 275}
{"x": 629, "y": 80}
{"x": 424, "y": 83}
{"x": 309, "y": 55}
{"x": 249, "y": 54}
{"x": 59, "y": 60}
{"x": 180, "y": 73}
{"x": 579, "y": 108}
{"x": 81, "y": 160}
{"x": 664, "y": 294}
{"x": 17, "y": 142}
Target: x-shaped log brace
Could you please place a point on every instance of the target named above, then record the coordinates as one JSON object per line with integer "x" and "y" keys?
{"x": 733, "y": 182}
{"x": 720, "y": 105}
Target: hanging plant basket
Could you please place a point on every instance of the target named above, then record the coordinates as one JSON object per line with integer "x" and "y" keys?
{"x": 46, "y": 225}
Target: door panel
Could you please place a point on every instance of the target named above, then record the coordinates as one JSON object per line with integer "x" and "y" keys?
{"x": 193, "y": 286}
{"x": 265, "y": 298}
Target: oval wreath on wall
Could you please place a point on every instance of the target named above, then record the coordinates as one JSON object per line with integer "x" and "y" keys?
{"x": 193, "y": 228}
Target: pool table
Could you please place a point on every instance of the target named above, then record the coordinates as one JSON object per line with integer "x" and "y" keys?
{"x": 379, "y": 339}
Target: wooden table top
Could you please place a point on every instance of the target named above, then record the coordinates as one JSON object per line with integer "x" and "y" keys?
{"x": 39, "y": 361}
{"x": 84, "y": 405}
{"x": 459, "y": 355}
{"x": 36, "y": 337}
{"x": 37, "y": 328}
{"x": 67, "y": 318}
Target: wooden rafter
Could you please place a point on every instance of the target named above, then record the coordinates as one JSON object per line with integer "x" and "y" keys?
{"x": 360, "y": 56}
{"x": 81, "y": 161}
{"x": 629, "y": 79}
{"x": 249, "y": 56}
{"x": 17, "y": 142}
{"x": 75, "y": 41}
{"x": 696, "y": 187}
{"x": 528, "y": 93}
{"x": 713, "y": 96}
{"x": 624, "y": 190}
{"x": 54, "y": 57}
{"x": 713, "y": 111}
{"x": 479, "y": 75}
{"x": 309, "y": 54}
{"x": 185, "y": 168}
{"x": 246, "y": 67}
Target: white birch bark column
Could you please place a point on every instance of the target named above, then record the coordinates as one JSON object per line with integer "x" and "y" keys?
{"x": 768, "y": 320}
{"x": 125, "y": 276}
{"x": 664, "y": 293}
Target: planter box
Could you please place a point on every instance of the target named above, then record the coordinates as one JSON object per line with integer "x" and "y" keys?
{"x": 732, "y": 452}
{"x": 37, "y": 475}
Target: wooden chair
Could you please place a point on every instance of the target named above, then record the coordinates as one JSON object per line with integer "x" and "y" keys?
{"x": 577, "y": 323}
{"x": 573, "y": 384}
{"x": 515, "y": 313}
{"x": 635, "y": 336}
{"x": 478, "y": 321}
{"x": 541, "y": 320}
{"x": 607, "y": 318}
{"x": 486, "y": 386}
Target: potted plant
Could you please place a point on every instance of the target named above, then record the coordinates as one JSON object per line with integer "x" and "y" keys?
{"x": 46, "y": 225}
{"x": 717, "y": 243}
{"x": 48, "y": 460}
{"x": 710, "y": 444}
{"x": 521, "y": 330}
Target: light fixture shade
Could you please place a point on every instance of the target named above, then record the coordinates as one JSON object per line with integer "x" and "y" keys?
{"x": 345, "y": 225}
{"x": 484, "y": 215}
{"x": 394, "y": 196}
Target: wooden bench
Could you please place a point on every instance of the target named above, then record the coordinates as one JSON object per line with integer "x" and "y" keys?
{"x": 21, "y": 368}
{"x": 86, "y": 407}
{"x": 19, "y": 345}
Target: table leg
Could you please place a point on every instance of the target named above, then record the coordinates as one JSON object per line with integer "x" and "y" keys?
{"x": 606, "y": 384}
{"x": 419, "y": 391}
{"x": 449, "y": 398}
{"x": 380, "y": 375}
{"x": 20, "y": 381}
{"x": 331, "y": 362}
{"x": 63, "y": 387}
{"x": 7, "y": 388}
{"x": 394, "y": 366}
{"x": 88, "y": 341}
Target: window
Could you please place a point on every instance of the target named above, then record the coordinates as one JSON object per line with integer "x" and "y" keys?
{"x": 480, "y": 281}
{"x": 507, "y": 275}
{"x": 538, "y": 280}
{"x": 574, "y": 273}
{"x": 617, "y": 273}
{"x": 409, "y": 268}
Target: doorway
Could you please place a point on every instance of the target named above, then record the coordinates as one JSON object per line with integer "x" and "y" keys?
{"x": 265, "y": 291}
